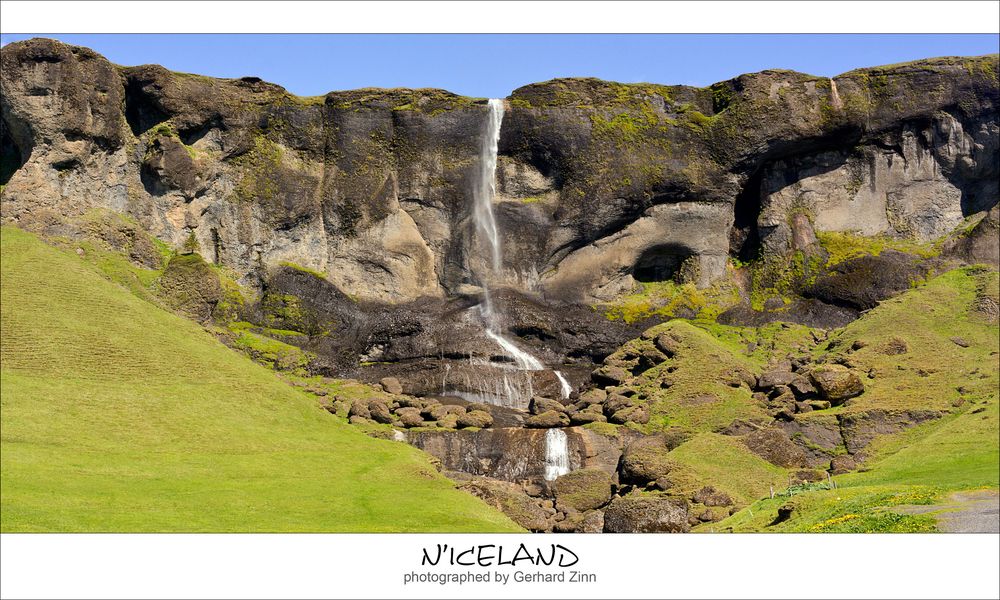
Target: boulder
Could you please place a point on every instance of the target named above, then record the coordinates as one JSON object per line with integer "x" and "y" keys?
{"x": 591, "y": 521}
{"x": 547, "y": 419}
{"x": 709, "y": 496}
{"x": 774, "y": 446}
{"x": 645, "y": 460}
{"x": 359, "y": 408}
{"x": 808, "y": 476}
{"x": 667, "y": 344}
{"x": 427, "y": 410}
{"x": 583, "y": 417}
{"x": 774, "y": 378}
{"x": 539, "y": 405}
{"x": 594, "y": 396}
{"x": 379, "y": 411}
{"x": 842, "y": 464}
{"x": 631, "y": 414}
{"x": 448, "y": 421}
{"x": 646, "y": 514}
{"x": 582, "y": 490}
{"x": 836, "y": 383}
{"x": 411, "y": 402}
{"x": 616, "y": 402}
{"x": 191, "y": 286}
{"x": 410, "y": 417}
{"x": 438, "y": 412}
{"x": 341, "y": 408}
{"x": 610, "y": 375}
{"x": 391, "y": 385}
{"x": 476, "y": 418}
{"x": 802, "y": 387}
{"x": 981, "y": 244}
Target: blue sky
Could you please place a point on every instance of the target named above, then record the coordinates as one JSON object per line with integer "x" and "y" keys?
{"x": 494, "y": 65}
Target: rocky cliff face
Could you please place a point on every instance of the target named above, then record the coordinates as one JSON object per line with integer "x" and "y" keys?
{"x": 601, "y": 185}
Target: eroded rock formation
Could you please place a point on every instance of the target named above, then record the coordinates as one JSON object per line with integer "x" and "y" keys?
{"x": 601, "y": 184}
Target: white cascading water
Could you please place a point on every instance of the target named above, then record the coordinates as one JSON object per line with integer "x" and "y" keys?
{"x": 565, "y": 389}
{"x": 556, "y": 454}
{"x": 510, "y": 386}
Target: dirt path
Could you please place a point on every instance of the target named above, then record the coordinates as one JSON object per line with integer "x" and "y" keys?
{"x": 977, "y": 511}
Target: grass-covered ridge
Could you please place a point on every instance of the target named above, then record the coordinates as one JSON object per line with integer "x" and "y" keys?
{"x": 119, "y": 416}
{"x": 928, "y": 349}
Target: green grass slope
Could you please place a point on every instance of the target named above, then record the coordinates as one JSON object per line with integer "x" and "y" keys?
{"x": 922, "y": 465}
{"x": 119, "y": 416}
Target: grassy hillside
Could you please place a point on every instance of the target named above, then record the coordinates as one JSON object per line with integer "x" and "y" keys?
{"x": 920, "y": 466}
{"x": 949, "y": 364}
{"x": 119, "y": 416}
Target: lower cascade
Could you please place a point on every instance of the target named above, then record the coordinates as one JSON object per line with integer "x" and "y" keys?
{"x": 556, "y": 454}
{"x": 565, "y": 389}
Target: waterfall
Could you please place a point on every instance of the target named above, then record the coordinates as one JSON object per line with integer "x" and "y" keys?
{"x": 835, "y": 101}
{"x": 525, "y": 361}
{"x": 502, "y": 389}
{"x": 482, "y": 206}
{"x": 556, "y": 454}
{"x": 564, "y": 387}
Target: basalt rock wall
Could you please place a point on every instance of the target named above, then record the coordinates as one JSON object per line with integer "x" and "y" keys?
{"x": 600, "y": 185}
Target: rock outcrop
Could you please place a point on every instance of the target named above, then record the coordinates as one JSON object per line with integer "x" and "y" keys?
{"x": 601, "y": 185}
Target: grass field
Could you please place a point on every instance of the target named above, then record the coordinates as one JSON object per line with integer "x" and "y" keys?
{"x": 119, "y": 416}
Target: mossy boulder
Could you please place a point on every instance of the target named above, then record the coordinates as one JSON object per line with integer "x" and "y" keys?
{"x": 547, "y": 419}
{"x": 391, "y": 385}
{"x": 190, "y": 286}
{"x": 774, "y": 446}
{"x": 439, "y": 411}
{"x": 410, "y": 417}
{"x": 645, "y": 460}
{"x": 582, "y": 490}
{"x": 647, "y": 514}
{"x": 630, "y": 414}
{"x": 836, "y": 383}
{"x": 475, "y": 418}
{"x": 591, "y": 414}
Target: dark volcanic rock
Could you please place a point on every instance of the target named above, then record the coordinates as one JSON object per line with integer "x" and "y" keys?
{"x": 810, "y": 312}
{"x": 861, "y": 428}
{"x": 774, "y": 446}
{"x": 862, "y": 282}
{"x": 370, "y": 187}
